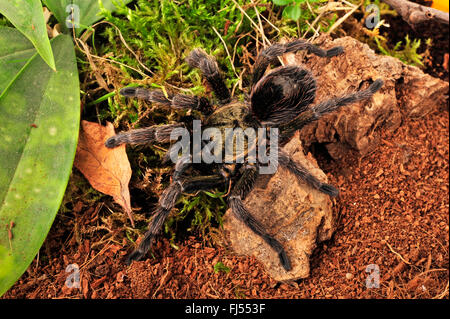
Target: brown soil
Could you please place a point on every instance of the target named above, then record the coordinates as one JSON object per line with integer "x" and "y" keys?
{"x": 394, "y": 212}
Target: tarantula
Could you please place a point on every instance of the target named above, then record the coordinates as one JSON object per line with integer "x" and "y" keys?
{"x": 279, "y": 99}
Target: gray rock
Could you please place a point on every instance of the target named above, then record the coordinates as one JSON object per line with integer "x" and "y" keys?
{"x": 293, "y": 212}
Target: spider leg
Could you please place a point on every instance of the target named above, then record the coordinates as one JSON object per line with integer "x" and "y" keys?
{"x": 270, "y": 54}
{"x": 167, "y": 156}
{"x": 303, "y": 174}
{"x": 151, "y": 134}
{"x": 238, "y": 193}
{"x": 181, "y": 165}
{"x": 207, "y": 64}
{"x": 166, "y": 202}
{"x": 177, "y": 101}
{"x": 323, "y": 108}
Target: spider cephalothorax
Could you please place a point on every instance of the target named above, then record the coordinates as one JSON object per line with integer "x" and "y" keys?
{"x": 279, "y": 99}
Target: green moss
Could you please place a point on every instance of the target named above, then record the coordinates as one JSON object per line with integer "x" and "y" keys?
{"x": 404, "y": 51}
{"x": 197, "y": 214}
{"x": 162, "y": 33}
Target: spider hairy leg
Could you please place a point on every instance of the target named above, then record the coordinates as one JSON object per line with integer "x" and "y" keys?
{"x": 177, "y": 101}
{"x": 165, "y": 205}
{"x": 166, "y": 202}
{"x": 323, "y": 108}
{"x": 303, "y": 45}
{"x": 181, "y": 165}
{"x": 238, "y": 193}
{"x": 239, "y": 210}
{"x": 151, "y": 134}
{"x": 210, "y": 70}
{"x": 333, "y": 104}
{"x": 303, "y": 174}
{"x": 270, "y": 54}
{"x": 167, "y": 158}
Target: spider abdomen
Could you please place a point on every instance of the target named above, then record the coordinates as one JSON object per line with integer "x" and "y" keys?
{"x": 283, "y": 94}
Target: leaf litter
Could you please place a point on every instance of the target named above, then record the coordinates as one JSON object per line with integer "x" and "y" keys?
{"x": 107, "y": 170}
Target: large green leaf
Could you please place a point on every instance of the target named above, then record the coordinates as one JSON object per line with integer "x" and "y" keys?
{"x": 87, "y": 11}
{"x": 28, "y": 17}
{"x": 39, "y": 122}
{"x": 15, "y": 52}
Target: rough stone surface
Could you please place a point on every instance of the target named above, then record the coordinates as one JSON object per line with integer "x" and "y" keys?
{"x": 407, "y": 92}
{"x": 293, "y": 212}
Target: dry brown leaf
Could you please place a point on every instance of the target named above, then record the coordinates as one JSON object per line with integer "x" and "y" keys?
{"x": 107, "y": 170}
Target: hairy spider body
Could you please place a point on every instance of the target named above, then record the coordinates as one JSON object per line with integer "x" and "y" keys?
{"x": 280, "y": 99}
{"x": 235, "y": 114}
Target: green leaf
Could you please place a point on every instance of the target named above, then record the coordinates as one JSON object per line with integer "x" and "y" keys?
{"x": 214, "y": 195}
{"x": 221, "y": 267}
{"x": 39, "y": 116}
{"x": 15, "y": 51}
{"x": 292, "y": 12}
{"x": 28, "y": 17}
{"x": 282, "y": 2}
{"x": 85, "y": 11}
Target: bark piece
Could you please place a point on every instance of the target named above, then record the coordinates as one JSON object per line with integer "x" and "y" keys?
{"x": 296, "y": 214}
{"x": 415, "y": 14}
{"x": 407, "y": 92}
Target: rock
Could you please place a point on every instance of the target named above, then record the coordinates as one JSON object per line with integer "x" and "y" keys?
{"x": 407, "y": 92}
{"x": 293, "y": 212}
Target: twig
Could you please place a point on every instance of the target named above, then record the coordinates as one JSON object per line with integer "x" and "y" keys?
{"x": 252, "y": 22}
{"x": 316, "y": 32}
{"x": 330, "y": 7}
{"x": 414, "y": 13}
{"x": 98, "y": 76}
{"x": 106, "y": 247}
{"x": 163, "y": 278}
{"x": 229, "y": 190}
{"x": 398, "y": 255}
{"x": 443, "y": 294}
{"x": 271, "y": 24}
{"x": 342, "y": 19}
{"x": 108, "y": 60}
{"x": 88, "y": 54}
{"x": 235, "y": 46}
{"x": 309, "y": 7}
{"x": 160, "y": 148}
{"x": 226, "y": 49}
{"x": 126, "y": 45}
{"x": 432, "y": 270}
{"x": 261, "y": 29}
{"x": 313, "y": 23}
